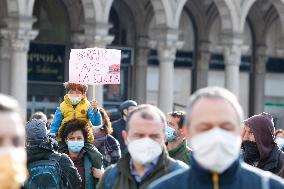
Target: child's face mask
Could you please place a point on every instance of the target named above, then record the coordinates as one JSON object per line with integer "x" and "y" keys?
{"x": 74, "y": 99}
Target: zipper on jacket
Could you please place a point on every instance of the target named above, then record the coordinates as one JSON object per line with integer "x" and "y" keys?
{"x": 215, "y": 178}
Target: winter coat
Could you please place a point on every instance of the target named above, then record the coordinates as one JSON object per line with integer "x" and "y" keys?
{"x": 92, "y": 158}
{"x": 274, "y": 163}
{"x": 109, "y": 147}
{"x": 119, "y": 126}
{"x": 67, "y": 112}
{"x": 182, "y": 152}
{"x": 123, "y": 178}
{"x": 238, "y": 176}
{"x": 42, "y": 151}
{"x": 271, "y": 158}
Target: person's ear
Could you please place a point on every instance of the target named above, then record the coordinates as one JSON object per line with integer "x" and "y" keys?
{"x": 182, "y": 131}
{"x": 185, "y": 132}
{"x": 125, "y": 112}
{"x": 124, "y": 135}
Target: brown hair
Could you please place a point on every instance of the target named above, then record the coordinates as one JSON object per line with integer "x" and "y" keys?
{"x": 279, "y": 131}
{"x": 180, "y": 115}
{"x": 72, "y": 126}
{"x": 147, "y": 112}
{"x": 107, "y": 128}
{"x": 73, "y": 86}
{"x": 39, "y": 115}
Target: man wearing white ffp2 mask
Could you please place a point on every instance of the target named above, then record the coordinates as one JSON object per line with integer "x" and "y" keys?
{"x": 147, "y": 159}
{"x": 214, "y": 119}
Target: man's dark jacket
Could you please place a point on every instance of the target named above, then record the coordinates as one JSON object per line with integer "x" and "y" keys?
{"x": 238, "y": 176}
{"x": 123, "y": 179}
{"x": 119, "y": 126}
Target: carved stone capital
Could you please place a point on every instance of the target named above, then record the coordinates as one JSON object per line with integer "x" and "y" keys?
{"x": 19, "y": 38}
{"x": 261, "y": 59}
{"x": 97, "y": 36}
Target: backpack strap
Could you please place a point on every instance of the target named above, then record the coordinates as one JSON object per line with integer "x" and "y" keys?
{"x": 57, "y": 157}
{"x": 111, "y": 177}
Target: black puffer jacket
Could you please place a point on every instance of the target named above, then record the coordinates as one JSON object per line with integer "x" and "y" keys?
{"x": 43, "y": 150}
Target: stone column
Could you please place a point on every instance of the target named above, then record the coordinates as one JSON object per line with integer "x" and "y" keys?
{"x": 142, "y": 52}
{"x": 232, "y": 61}
{"x": 19, "y": 38}
{"x": 167, "y": 55}
{"x": 259, "y": 79}
{"x": 166, "y": 41}
{"x": 97, "y": 36}
{"x": 203, "y": 65}
{"x": 4, "y": 65}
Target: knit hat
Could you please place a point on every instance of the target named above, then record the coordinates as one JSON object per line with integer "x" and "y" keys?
{"x": 262, "y": 127}
{"x": 36, "y": 130}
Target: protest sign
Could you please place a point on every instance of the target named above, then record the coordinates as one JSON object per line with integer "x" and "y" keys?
{"x": 94, "y": 66}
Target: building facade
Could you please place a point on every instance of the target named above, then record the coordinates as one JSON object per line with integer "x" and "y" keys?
{"x": 170, "y": 48}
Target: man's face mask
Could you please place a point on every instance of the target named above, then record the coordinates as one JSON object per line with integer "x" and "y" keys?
{"x": 215, "y": 149}
{"x": 144, "y": 150}
{"x": 251, "y": 153}
{"x": 170, "y": 134}
{"x": 13, "y": 167}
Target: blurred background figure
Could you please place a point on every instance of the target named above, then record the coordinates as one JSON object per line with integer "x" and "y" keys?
{"x": 12, "y": 142}
{"x": 49, "y": 120}
{"x": 279, "y": 135}
{"x": 176, "y": 142}
{"x": 119, "y": 125}
{"x": 259, "y": 146}
{"x": 42, "y": 116}
{"x": 86, "y": 157}
{"x": 107, "y": 145}
{"x": 39, "y": 115}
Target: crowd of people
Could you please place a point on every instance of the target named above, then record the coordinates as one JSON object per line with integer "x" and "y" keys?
{"x": 211, "y": 145}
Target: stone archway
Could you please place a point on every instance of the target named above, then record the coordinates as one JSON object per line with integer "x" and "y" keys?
{"x": 279, "y": 6}
{"x": 233, "y": 14}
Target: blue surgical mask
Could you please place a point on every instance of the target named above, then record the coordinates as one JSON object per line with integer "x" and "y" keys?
{"x": 75, "y": 146}
{"x": 170, "y": 134}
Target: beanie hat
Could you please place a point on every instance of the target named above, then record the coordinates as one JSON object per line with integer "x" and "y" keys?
{"x": 36, "y": 130}
{"x": 126, "y": 104}
{"x": 262, "y": 127}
